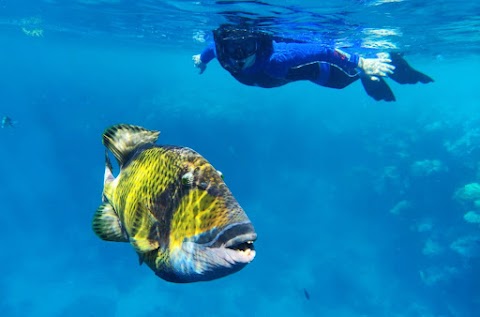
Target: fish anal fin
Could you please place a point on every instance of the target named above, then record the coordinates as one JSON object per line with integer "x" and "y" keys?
{"x": 106, "y": 224}
{"x": 124, "y": 139}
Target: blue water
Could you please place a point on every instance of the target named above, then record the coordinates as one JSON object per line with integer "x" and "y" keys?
{"x": 362, "y": 204}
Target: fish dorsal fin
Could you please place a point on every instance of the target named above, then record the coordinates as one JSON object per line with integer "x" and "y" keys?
{"x": 124, "y": 139}
{"x": 106, "y": 224}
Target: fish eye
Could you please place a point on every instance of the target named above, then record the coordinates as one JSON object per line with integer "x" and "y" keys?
{"x": 187, "y": 179}
{"x": 202, "y": 185}
{"x": 221, "y": 174}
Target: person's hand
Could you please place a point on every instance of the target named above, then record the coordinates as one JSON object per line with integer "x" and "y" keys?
{"x": 378, "y": 67}
{"x": 197, "y": 62}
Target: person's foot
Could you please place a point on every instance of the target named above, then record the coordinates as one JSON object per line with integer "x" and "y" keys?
{"x": 404, "y": 73}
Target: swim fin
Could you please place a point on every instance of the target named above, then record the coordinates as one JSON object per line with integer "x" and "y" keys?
{"x": 378, "y": 90}
{"x": 404, "y": 73}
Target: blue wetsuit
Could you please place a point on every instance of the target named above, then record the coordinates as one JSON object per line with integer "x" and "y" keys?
{"x": 290, "y": 62}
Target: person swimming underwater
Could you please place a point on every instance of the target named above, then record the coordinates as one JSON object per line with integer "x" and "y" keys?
{"x": 256, "y": 58}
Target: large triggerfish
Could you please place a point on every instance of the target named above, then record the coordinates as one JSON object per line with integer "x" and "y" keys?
{"x": 173, "y": 207}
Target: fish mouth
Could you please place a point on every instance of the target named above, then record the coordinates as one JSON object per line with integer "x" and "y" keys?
{"x": 238, "y": 236}
{"x": 237, "y": 241}
{"x": 241, "y": 249}
{"x": 243, "y": 242}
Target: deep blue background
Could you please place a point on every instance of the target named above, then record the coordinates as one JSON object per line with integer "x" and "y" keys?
{"x": 318, "y": 171}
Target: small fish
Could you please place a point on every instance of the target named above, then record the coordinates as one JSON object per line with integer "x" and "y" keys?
{"x": 7, "y": 122}
{"x": 307, "y": 295}
{"x": 173, "y": 207}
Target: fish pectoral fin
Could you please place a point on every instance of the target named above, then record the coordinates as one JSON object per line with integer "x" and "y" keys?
{"x": 143, "y": 246}
{"x": 108, "y": 179}
{"x": 107, "y": 225}
{"x": 124, "y": 139}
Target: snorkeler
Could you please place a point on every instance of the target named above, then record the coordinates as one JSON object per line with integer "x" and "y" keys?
{"x": 7, "y": 122}
{"x": 256, "y": 58}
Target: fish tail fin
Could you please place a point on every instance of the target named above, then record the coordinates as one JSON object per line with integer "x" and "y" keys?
{"x": 378, "y": 90}
{"x": 124, "y": 139}
{"x": 106, "y": 224}
{"x": 406, "y": 74}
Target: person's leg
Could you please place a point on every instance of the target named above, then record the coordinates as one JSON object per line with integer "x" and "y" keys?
{"x": 322, "y": 74}
{"x": 330, "y": 76}
{"x": 337, "y": 78}
{"x": 309, "y": 71}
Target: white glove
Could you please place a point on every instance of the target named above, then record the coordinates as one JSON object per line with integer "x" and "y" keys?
{"x": 378, "y": 67}
{"x": 197, "y": 62}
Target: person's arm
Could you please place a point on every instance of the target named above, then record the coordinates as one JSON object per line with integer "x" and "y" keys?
{"x": 201, "y": 60}
{"x": 288, "y": 55}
